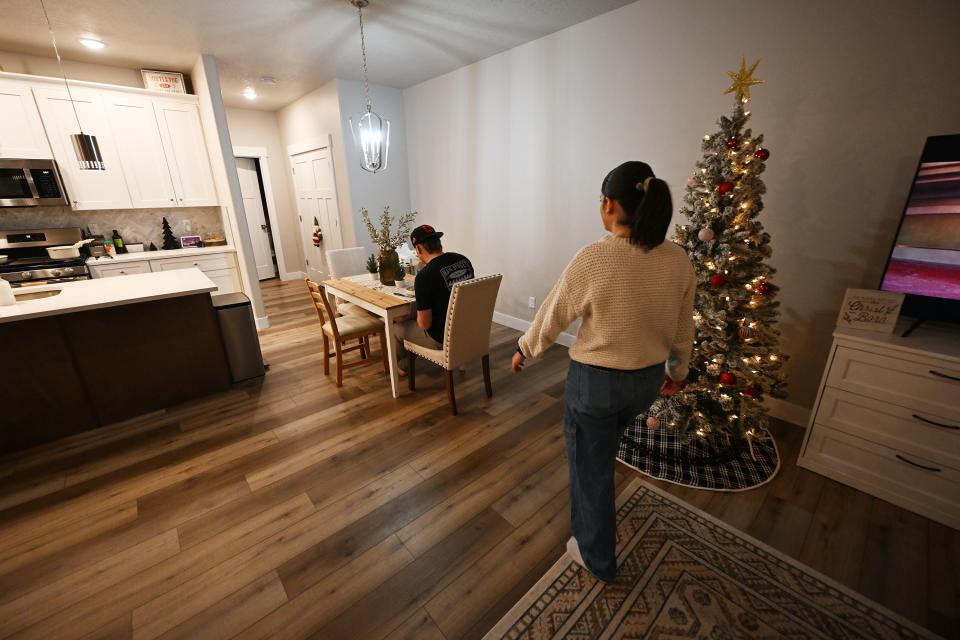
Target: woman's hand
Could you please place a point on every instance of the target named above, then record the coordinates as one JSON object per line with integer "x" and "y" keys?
{"x": 671, "y": 386}
{"x": 517, "y": 363}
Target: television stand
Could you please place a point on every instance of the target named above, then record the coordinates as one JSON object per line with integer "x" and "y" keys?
{"x": 913, "y": 327}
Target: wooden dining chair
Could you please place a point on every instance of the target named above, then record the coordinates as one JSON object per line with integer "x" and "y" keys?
{"x": 466, "y": 334}
{"x": 340, "y": 329}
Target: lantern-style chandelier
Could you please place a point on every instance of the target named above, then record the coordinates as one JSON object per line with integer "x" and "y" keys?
{"x": 84, "y": 145}
{"x": 371, "y": 133}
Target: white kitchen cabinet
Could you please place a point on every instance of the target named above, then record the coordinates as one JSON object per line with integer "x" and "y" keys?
{"x": 86, "y": 189}
{"x": 227, "y": 280}
{"x": 119, "y": 269}
{"x": 186, "y": 152}
{"x": 219, "y": 267}
{"x": 21, "y": 131}
{"x": 137, "y": 136}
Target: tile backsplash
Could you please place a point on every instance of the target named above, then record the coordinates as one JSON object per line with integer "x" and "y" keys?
{"x": 135, "y": 225}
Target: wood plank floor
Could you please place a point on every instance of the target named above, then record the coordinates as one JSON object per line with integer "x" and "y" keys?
{"x": 289, "y": 508}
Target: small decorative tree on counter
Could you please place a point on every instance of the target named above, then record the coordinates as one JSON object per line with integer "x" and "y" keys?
{"x": 169, "y": 240}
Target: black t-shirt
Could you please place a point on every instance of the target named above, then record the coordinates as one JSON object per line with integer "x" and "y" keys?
{"x": 433, "y": 285}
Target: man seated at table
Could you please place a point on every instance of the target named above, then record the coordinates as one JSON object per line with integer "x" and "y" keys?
{"x": 432, "y": 288}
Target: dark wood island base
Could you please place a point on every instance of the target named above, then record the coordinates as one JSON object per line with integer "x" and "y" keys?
{"x": 64, "y": 374}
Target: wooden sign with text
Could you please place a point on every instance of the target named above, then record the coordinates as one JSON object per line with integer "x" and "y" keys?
{"x": 870, "y": 310}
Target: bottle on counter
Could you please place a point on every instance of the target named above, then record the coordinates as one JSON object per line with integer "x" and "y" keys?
{"x": 118, "y": 242}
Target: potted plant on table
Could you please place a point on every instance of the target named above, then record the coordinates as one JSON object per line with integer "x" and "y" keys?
{"x": 387, "y": 242}
{"x": 372, "y": 267}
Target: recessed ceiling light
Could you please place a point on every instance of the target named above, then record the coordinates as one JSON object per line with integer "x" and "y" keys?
{"x": 249, "y": 93}
{"x": 90, "y": 43}
{"x": 268, "y": 80}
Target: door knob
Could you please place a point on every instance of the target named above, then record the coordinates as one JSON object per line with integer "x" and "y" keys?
{"x": 263, "y": 227}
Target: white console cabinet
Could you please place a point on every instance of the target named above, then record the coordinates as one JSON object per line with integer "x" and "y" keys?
{"x": 887, "y": 418}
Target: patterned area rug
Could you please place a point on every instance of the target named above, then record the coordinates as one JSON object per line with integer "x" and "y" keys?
{"x": 698, "y": 462}
{"x": 683, "y": 574}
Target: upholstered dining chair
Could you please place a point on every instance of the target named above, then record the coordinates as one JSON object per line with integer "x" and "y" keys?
{"x": 466, "y": 335}
{"x": 340, "y": 329}
{"x": 347, "y": 262}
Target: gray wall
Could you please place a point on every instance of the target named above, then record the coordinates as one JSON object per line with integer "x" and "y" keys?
{"x": 507, "y": 154}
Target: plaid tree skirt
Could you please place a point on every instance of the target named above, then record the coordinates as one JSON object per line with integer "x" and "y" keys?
{"x": 698, "y": 462}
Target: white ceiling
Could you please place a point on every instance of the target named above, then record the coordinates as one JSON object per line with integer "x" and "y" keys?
{"x": 302, "y": 43}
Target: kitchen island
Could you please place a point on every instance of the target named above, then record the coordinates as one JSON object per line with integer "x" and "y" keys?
{"x": 79, "y": 355}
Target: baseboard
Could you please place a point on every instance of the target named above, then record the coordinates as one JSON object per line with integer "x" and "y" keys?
{"x": 788, "y": 411}
{"x": 293, "y": 275}
{"x": 263, "y": 322}
{"x": 566, "y": 339}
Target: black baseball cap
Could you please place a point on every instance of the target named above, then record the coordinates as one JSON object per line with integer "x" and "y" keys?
{"x": 424, "y": 232}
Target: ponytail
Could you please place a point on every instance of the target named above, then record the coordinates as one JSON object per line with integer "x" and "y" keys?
{"x": 644, "y": 198}
{"x": 652, "y": 215}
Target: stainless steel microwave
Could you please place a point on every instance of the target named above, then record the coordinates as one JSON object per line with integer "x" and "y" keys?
{"x": 30, "y": 183}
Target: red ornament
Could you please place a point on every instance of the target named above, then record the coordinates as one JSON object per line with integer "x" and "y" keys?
{"x": 764, "y": 288}
{"x": 727, "y": 379}
{"x": 745, "y": 332}
{"x": 761, "y": 154}
{"x": 725, "y": 187}
{"x": 653, "y": 422}
{"x": 718, "y": 280}
{"x": 751, "y": 392}
{"x": 733, "y": 143}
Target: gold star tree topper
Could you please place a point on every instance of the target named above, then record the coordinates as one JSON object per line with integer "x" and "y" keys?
{"x": 743, "y": 79}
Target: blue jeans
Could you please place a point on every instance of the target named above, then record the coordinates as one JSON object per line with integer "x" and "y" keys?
{"x": 599, "y": 404}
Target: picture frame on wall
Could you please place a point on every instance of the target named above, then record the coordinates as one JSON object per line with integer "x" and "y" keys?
{"x": 165, "y": 81}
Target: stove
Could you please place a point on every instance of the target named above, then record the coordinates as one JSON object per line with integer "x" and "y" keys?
{"x": 27, "y": 260}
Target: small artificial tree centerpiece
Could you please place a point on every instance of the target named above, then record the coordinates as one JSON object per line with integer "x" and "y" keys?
{"x": 169, "y": 241}
{"x": 372, "y": 266}
{"x": 388, "y": 242}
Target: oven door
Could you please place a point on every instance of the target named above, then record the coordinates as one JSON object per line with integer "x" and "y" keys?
{"x": 30, "y": 183}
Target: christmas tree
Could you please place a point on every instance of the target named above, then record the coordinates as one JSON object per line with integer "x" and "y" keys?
{"x": 169, "y": 242}
{"x": 735, "y": 362}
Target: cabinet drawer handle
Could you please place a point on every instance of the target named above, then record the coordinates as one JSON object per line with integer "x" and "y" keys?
{"x": 920, "y": 466}
{"x": 934, "y": 423}
{"x": 944, "y": 375}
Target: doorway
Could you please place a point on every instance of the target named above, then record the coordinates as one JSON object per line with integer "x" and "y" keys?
{"x": 316, "y": 194}
{"x": 255, "y": 204}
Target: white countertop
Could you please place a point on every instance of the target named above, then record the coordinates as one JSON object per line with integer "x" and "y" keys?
{"x": 100, "y": 293}
{"x": 157, "y": 255}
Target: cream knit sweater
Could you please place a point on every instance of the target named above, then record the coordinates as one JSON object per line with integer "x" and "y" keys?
{"x": 636, "y": 306}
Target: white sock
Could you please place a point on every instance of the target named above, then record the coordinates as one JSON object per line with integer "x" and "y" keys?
{"x": 573, "y": 550}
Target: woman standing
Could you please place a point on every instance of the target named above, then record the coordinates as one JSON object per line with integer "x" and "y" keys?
{"x": 634, "y": 294}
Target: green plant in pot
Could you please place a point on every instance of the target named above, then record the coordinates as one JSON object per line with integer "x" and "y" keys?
{"x": 387, "y": 242}
{"x": 372, "y": 266}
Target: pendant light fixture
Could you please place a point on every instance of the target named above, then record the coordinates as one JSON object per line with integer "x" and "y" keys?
{"x": 371, "y": 133}
{"x": 84, "y": 145}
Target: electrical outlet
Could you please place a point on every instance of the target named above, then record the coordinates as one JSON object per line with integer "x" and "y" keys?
{"x": 533, "y": 303}
{"x": 187, "y": 226}
{"x": 94, "y": 229}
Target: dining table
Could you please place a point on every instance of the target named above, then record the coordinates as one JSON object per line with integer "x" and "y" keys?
{"x": 392, "y": 303}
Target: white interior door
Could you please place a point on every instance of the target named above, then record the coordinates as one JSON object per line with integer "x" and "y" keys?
{"x": 316, "y": 201}
{"x": 256, "y": 218}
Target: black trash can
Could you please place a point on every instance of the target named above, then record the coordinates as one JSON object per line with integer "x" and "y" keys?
{"x": 239, "y": 331}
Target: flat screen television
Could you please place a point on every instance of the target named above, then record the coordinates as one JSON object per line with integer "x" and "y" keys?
{"x": 924, "y": 262}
